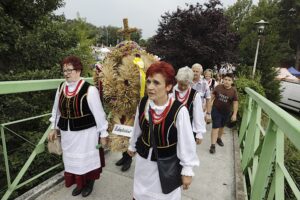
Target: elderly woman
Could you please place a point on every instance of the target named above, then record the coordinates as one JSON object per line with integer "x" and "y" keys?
{"x": 208, "y": 76}
{"x": 172, "y": 132}
{"x": 78, "y": 114}
{"x": 189, "y": 97}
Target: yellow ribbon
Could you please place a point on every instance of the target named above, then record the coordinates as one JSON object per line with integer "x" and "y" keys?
{"x": 139, "y": 62}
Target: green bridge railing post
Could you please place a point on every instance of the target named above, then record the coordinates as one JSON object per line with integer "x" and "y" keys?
{"x": 13, "y": 87}
{"x": 5, "y": 156}
{"x": 263, "y": 170}
{"x": 245, "y": 120}
{"x": 262, "y": 149}
{"x": 279, "y": 177}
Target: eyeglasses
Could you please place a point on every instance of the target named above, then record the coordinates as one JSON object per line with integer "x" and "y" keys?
{"x": 68, "y": 71}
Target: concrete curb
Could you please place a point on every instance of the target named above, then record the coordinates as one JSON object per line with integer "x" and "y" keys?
{"x": 46, "y": 186}
{"x": 240, "y": 193}
{"x": 42, "y": 188}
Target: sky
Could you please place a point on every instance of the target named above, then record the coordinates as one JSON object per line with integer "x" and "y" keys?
{"x": 142, "y": 14}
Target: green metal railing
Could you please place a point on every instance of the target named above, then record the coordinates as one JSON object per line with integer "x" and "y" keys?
{"x": 262, "y": 150}
{"x": 12, "y": 87}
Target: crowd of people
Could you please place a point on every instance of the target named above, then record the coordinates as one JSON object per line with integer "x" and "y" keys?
{"x": 170, "y": 120}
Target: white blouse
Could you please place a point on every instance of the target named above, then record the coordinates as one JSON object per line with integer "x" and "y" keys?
{"x": 198, "y": 124}
{"x": 146, "y": 179}
{"x": 94, "y": 103}
{"x": 80, "y": 154}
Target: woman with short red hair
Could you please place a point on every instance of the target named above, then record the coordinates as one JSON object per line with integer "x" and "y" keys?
{"x": 160, "y": 115}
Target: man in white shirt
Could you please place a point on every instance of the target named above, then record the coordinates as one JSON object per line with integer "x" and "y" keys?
{"x": 201, "y": 86}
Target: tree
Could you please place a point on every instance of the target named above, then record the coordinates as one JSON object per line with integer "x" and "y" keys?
{"x": 85, "y": 35}
{"x": 270, "y": 51}
{"x": 32, "y": 43}
{"x": 20, "y": 20}
{"x": 42, "y": 41}
{"x": 238, "y": 12}
{"x": 196, "y": 34}
{"x": 109, "y": 35}
{"x": 289, "y": 15}
{"x": 136, "y": 36}
{"x": 143, "y": 43}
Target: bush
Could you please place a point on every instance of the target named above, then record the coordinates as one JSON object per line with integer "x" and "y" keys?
{"x": 292, "y": 163}
{"x": 241, "y": 83}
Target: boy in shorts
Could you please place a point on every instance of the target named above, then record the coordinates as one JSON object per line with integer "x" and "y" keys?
{"x": 223, "y": 98}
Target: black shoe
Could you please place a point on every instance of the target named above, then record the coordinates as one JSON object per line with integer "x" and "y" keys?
{"x": 120, "y": 162}
{"x": 220, "y": 142}
{"x": 87, "y": 190}
{"x": 126, "y": 165}
{"x": 76, "y": 191}
{"x": 125, "y": 156}
{"x": 212, "y": 149}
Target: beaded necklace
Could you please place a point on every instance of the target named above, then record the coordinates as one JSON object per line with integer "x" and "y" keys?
{"x": 68, "y": 93}
{"x": 157, "y": 118}
{"x": 183, "y": 99}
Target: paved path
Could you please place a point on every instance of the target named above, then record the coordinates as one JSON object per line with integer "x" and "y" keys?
{"x": 214, "y": 178}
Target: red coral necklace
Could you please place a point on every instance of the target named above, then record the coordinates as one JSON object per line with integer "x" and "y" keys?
{"x": 68, "y": 93}
{"x": 157, "y": 118}
{"x": 184, "y": 98}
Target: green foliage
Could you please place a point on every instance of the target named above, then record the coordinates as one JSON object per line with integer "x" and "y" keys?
{"x": 271, "y": 51}
{"x": 30, "y": 37}
{"x": 238, "y": 12}
{"x": 143, "y": 43}
{"x": 110, "y": 36}
{"x": 289, "y": 16}
{"x": 43, "y": 47}
{"x": 241, "y": 83}
{"x": 28, "y": 13}
{"x": 83, "y": 32}
{"x": 292, "y": 163}
{"x": 287, "y": 55}
{"x": 32, "y": 43}
{"x": 136, "y": 36}
{"x": 53, "y": 73}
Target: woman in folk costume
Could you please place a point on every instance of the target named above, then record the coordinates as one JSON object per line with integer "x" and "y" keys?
{"x": 78, "y": 114}
{"x": 208, "y": 75}
{"x": 172, "y": 132}
{"x": 189, "y": 97}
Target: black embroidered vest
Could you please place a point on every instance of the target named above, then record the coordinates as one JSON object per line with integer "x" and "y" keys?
{"x": 75, "y": 111}
{"x": 165, "y": 133}
{"x": 189, "y": 103}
